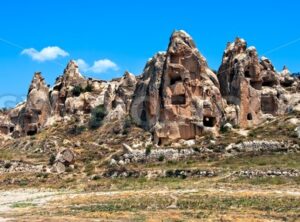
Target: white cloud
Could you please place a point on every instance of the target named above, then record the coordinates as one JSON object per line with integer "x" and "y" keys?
{"x": 99, "y": 66}
{"x": 48, "y": 53}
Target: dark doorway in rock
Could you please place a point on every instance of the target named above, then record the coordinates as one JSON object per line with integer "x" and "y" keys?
{"x": 256, "y": 84}
{"x": 268, "y": 104}
{"x": 178, "y": 99}
{"x": 11, "y": 129}
{"x": 144, "y": 115}
{"x": 175, "y": 78}
{"x": 247, "y": 74}
{"x": 174, "y": 59}
{"x": 249, "y": 116}
{"x": 31, "y": 132}
{"x": 268, "y": 83}
{"x": 209, "y": 121}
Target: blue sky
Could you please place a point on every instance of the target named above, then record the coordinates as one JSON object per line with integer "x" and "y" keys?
{"x": 127, "y": 33}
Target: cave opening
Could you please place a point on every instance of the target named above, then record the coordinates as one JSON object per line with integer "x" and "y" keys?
{"x": 174, "y": 59}
{"x": 249, "y": 116}
{"x": 11, "y": 129}
{"x": 256, "y": 84}
{"x": 209, "y": 121}
{"x": 178, "y": 99}
{"x": 247, "y": 74}
{"x": 31, "y": 132}
{"x": 268, "y": 83}
{"x": 268, "y": 104}
{"x": 175, "y": 79}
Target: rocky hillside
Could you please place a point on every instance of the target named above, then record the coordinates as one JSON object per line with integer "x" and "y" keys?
{"x": 180, "y": 142}
{"x": 177, "y": 97}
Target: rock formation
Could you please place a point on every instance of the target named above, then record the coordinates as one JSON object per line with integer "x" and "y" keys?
{"x": 177, "y": 97}
{"x": 30, "y": 117}
{"x": 146, "y": 102}
{"x": 178, "y": 94}
{"x": 64, "y": 86}
{"x": 251, "y": 86}
{"x": 118, "y": 96}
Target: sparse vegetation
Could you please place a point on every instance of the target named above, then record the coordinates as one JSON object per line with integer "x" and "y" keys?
{"x": 97, "y": 116}
{"x": 77, "y": 90}
{"x": 148, "y": 150}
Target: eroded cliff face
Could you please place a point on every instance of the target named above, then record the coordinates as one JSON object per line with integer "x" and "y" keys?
{"x": 251, "y": 86}
{"x": 30, "y": 117}
{"x": 118, "y": 96}
{"x": 63, "y": 88}
{"x": 177, "y": 96}
{"x": 146, "y": 104}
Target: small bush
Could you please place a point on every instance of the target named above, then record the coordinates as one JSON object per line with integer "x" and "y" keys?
{"x": 77, "y": 90}
{"x": 77, "y": 130}
{"x": 148, "y": 150}
{"x": 7, "y": 165}
{"x": 161, "y": 158}
{"x": 97, "y": 116}
{"x": 52, "y": 159}
{"x": 88, "y": 88}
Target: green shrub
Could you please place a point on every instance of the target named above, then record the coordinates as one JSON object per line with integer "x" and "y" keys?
{"x": 161, "y": 158}
{"x": 88, "y": 88}
{"x": 7, "y": 165}
{"x": 77, "y": 130}
{"x": 52, "y": 159}
{"x": 148, "y": 150}
{"x": 77, "y": 90}
{"x": 97, "y": 116}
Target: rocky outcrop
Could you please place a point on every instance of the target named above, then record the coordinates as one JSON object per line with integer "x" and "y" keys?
{"x": 146, "y": 102}
{"x": 251, "y": 86}
{"x": 63, "y": 159}
{"x": 31, "y": 116}
{"x": 260, "y": 146}
{"x": 63, "y": 88}
{"x": 268, "y": 173}
{"x": 240, "y": 79}
{"x": 180, "y": 94}
{"x": 118, "y": 96}
{"x": 176, "y": 98}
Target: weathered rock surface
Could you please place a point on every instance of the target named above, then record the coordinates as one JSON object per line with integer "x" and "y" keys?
{"x": 31, "y": 116}
{"x": 176, "y": 98}
{"x": 63, "y": 159}
{"x": 252, "y": 87}
{"x": 259, "y": 146}
{"x": 180, "y": 94}
{"x": 268, "y": 173}
{"x": 118, "y": 96}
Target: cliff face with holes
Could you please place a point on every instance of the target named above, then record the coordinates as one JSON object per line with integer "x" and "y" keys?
{"x": 177, "y": 97}
{"x": 253, "y": 89}
{"x": 181, "y": 94}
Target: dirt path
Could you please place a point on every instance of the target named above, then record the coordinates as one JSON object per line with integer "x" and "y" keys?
{"x": 9, "y": 200}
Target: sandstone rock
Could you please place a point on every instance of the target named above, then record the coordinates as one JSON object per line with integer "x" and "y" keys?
{"x": 297, "y": 130}
{"x": 127, "y": 148}
{"x": 252, "y": 87}
{"x": 177, "y": 96}
{"x": 228, "y": 127}
{"x": 37, "y": 109}
{"x": 63, "y": 87}
{"x": 189, "y": 142}
{"x": 240, "y": 79}
{"x": 297, "y": 108}
{"x": 63, "y": 159}
{"x": 118, "y": 97}
{"x": 146, "y": 102}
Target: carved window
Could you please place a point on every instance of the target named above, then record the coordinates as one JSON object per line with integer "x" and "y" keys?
{"x": 178, "y": 99}
{"x": 209, "y": 121}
